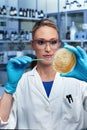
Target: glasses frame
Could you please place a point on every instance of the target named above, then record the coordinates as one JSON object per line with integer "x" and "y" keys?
{"x": 45, "y": 43}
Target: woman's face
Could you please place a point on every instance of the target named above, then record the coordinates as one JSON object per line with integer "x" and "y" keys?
{"x": 46, "y": 43}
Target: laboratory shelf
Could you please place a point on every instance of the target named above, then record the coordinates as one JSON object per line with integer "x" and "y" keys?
{"x": 15, "y": 41}
{"x": 81, "y": 41}
{"x": 18, "y": 17}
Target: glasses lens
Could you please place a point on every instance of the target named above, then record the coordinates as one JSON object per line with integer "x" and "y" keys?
{"x": 40, "y": 42}
{"x": 53, "y": 42}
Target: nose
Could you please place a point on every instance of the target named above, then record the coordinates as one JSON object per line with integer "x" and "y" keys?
{"x": 47, "y": 47}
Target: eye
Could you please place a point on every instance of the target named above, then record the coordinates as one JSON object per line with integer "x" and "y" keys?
{"x": 41, "y": 42}
{"x": 53, "y": 42}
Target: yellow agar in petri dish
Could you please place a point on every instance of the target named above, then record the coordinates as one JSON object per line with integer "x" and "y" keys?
{"x": 64, "y": 61}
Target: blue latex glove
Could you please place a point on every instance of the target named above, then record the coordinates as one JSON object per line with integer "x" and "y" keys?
{"x": 80, "y": 70}
{"x": 15, "y": 68}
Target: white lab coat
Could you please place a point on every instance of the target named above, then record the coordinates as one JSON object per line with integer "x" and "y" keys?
{"x": 33, "y": 110}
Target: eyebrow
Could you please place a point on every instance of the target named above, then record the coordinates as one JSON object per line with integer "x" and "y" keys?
{"x": 45, "y": 39}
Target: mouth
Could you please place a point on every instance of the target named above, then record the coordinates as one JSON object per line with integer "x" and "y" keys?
{"x": 48, "y": 57}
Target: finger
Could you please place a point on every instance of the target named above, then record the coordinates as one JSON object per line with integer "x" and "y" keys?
{"x": 65, "y": 75}
{"x": 28, "y": 59}
{"x": 21, "y": 60}
{"x": 73, "y": 49}
{"x": 82, "y": 52}
{"x": 65, "y": 43}
{"x": 14, "y": 60}
{"x": 24, "y": 59}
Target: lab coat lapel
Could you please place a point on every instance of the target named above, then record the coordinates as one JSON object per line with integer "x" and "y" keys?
{"x": 57, "y": 88}
{"x": 39, "y": 85}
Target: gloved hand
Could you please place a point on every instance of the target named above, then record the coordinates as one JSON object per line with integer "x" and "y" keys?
{"x": 15, "y": 68}
{"x": 80, "y": 69}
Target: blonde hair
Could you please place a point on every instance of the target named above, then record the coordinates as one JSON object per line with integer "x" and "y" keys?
{"x": 44, "y": 22}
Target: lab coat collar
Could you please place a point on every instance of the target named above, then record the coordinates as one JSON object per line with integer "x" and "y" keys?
{"x": 57, "y": 88}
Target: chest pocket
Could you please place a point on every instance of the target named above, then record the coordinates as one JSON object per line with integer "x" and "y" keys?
{"x": 72, "y": 108}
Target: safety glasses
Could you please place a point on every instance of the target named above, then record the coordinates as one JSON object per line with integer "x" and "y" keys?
{"x": 42, "y": 43}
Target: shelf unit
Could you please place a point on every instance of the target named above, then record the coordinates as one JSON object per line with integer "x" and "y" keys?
{"x": 65, "y": 18}
{"x": 28, "y": 17}
{"x": 19, "y": 19}
{"x": 9, "y": 47}
{"x": 15, "y": 23}
{"x": 79, "y": 16}
{"x": 18, "y": 44}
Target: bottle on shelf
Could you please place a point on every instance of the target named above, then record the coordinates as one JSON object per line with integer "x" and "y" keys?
{"x": 11, "y": 12}
{"x": 41, "y": 14}
{"x": 15, "y": 11}
{"x": 33, "y": 13}
{"x": 36, "y": 13}
{"x": 4, "y": 12}
{"x": 15, "y": 35}
{"x": 68, "y": 33}
{"x": 21, "y": 12}
{"x": 27, "y": 12}
{"x": 22, "y": 35}
{"x": 12, "y": 36}
{"x": 24, "y": 13}
{"x": 30, "y": 13}
{"x": 6, "y": 35}
{"x": 26, "y": 35}
{"x": 1, "y": 34}
{"x": 73, "y": 30}
{"x": 67, "y": 5}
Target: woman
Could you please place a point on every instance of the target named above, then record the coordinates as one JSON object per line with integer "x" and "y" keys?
{"x": 41, "y": 99}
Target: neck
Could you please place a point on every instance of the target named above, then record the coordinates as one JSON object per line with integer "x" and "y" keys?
{"x": 47, "y": 73}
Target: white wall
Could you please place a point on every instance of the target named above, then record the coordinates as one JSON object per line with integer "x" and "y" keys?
{"x": 42, "y": 5}
{"x": 48, "y": 6}
{"x": 33, "y": 4}
{"x": 27, "y": 4}
{"x": 52, "y": 6}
